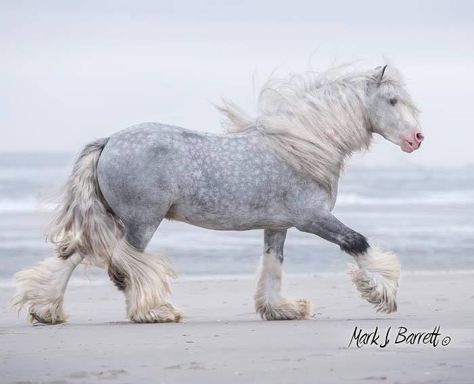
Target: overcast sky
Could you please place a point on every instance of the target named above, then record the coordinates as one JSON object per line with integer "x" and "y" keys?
{"x": 72, "y": 71}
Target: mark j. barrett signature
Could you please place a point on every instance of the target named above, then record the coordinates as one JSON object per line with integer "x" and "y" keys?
{"x": 401, "y": 335}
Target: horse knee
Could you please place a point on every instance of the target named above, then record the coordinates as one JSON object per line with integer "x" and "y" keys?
{"x": 354, "y": 243}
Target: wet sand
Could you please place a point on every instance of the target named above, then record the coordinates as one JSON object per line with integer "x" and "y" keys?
{"x": 223, "y": 341}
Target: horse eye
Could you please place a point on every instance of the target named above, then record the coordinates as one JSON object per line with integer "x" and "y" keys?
{"x": 393, "y": 101}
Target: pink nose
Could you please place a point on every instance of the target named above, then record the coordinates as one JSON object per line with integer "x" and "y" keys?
{"x": 419, "y": 137}
{"x": 412, "y": 141}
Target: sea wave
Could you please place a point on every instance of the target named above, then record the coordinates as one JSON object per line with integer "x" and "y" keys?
{"x": 24, "y": 204}
{"x": 16, "y": 174}
{"x": 445, "y": 198}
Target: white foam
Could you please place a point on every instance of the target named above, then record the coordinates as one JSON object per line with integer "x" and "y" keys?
{"x": 24, "y": 204}
{"x": 450, "y": 198}
{"x": 447, "y": 198}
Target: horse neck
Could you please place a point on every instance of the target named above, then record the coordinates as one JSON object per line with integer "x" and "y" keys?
{"x": 347, "y": 126}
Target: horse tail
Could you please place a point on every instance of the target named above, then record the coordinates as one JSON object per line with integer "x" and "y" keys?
{"x": 84, "y": 223}
{"x": 82, "y": 226}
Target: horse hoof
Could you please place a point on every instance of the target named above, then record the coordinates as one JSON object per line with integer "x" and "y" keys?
{"x": 285, "y": 309}
{"x": 166, "y": 313}
{"x": 35, "y": 317}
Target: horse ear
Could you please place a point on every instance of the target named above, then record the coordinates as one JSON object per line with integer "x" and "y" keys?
{"x": 379, "y": 76}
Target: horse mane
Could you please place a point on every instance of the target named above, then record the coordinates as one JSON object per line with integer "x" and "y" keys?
{"x": 314, "y": 120}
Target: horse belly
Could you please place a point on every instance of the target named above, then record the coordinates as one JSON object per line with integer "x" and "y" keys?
{"x": 238, "y": 218}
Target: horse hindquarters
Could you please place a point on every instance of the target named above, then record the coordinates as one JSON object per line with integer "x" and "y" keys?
{"x": 85, "y": 228}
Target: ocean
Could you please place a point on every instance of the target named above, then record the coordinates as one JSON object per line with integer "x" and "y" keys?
{"x": 426, "y": 216}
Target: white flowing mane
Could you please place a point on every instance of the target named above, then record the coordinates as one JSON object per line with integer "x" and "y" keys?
{"x": 313, "y": 121}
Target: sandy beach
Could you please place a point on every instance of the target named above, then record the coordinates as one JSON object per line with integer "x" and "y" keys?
{"x": 223, "y": 341}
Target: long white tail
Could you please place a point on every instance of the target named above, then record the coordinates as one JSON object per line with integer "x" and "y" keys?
{"x": 83, "y": 223}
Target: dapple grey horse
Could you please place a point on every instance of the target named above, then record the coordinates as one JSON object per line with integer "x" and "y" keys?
{"x": 272, "y": 172}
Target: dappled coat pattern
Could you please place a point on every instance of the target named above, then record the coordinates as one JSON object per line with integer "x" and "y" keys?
{"x": 274, "y": 171}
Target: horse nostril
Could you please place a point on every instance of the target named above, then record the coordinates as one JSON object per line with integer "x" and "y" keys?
{"x": 419, "y": 136}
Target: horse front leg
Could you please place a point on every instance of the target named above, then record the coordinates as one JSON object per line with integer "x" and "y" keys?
{"x": 376, "y": 272}
{"x": 268, "y": 300}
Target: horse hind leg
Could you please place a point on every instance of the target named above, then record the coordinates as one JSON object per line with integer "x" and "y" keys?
{"x": 42, "y": 287}
{"x": 144, "y": 278}
{"x": 268, "y": 300}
